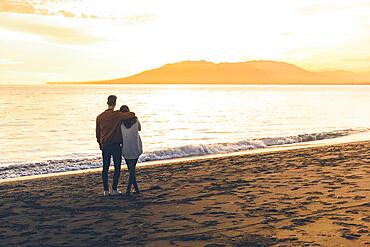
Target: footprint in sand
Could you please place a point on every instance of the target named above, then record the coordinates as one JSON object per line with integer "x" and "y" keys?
{"x": 366, "y": 219}
{"x": 346, "y": 233}
{"x": 210, "y": 223}
{"x": 214, "y": 245}
{"x": 356, "y": 198}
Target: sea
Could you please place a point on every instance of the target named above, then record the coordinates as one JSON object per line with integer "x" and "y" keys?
{"x": 51, "y": 128}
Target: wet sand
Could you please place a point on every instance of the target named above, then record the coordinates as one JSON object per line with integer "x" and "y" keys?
{"x": 305, "y": 197}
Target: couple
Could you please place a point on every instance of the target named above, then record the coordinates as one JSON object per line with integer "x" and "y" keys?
{"x": 117, "y": 133}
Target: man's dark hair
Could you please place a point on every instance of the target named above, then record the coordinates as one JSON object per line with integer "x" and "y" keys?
{"x": 112, "y": 100}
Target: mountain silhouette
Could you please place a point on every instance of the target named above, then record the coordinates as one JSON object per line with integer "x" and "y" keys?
{"x": 251, "y": 72}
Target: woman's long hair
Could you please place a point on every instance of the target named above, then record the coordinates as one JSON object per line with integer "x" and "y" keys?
{"x": 129, "y": 122}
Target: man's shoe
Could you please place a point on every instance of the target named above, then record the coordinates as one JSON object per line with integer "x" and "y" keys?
{"x": 106, "y": 193}
{"x": 116, "y": 192}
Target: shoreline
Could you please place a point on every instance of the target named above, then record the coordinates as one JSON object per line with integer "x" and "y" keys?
{"x": 297, "y": 197}
{"x": 352, "y": 138}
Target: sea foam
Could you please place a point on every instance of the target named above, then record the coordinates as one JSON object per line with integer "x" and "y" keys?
{"x": 55, "y": 166}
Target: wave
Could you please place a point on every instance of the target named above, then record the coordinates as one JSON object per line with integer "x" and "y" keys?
{"x": 205, "y": 149}
{"x": 55, "y": 166}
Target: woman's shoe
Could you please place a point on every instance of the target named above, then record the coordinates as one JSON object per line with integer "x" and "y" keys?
{"x": 116, "y": 192}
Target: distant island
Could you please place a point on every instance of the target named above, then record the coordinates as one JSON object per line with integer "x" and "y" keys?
{"x": 251, "y": 72}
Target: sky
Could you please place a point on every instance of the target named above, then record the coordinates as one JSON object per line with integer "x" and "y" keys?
{"x": 81, "y": 40}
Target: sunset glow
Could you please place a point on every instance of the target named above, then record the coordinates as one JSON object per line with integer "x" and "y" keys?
{"x": 72, "y": 40}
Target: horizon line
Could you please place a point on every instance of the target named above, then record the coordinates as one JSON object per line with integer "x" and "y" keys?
{"x": 205, "y": 61}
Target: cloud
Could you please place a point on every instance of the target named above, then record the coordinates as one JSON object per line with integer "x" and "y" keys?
{"x": 17, "y": 6}
{"x": 9, "y": 62}
{"x": 135, "y": 19}
{"x": 357, "y": 59}
{"x": 320, "y": 8}
{"x": 42, "y": 7}
{"x": 85, "y": 9}
{"x": 331, "y": 6}
{"x": 47, "y": 29}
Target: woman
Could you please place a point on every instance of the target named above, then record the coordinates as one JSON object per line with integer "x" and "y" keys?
{"x": 132, "y": 147}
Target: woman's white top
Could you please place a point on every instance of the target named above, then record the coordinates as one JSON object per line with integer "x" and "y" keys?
{"x": 132, "y": 147}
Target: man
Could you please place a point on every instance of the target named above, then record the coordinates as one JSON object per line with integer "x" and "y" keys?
{"x": 109, "y": 137}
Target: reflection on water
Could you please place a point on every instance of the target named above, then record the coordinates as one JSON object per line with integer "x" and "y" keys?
{"x": 54, "y": 122}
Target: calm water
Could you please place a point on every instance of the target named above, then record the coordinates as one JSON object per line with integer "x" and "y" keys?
{"x": 48, "y": 122}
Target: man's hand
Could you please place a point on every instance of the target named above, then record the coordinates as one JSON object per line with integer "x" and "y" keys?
{"x": 126, "y": 115}
{"x": 97, "y": 131}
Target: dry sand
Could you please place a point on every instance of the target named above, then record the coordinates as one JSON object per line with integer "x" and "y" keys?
{"x": 306, "y": 197}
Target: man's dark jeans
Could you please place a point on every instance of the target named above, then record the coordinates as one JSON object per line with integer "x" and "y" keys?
{"x": 109, "y": 151}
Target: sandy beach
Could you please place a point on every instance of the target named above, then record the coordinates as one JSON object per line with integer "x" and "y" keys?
{"x": 305, "y": 197}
